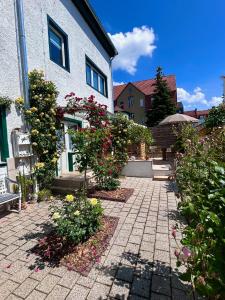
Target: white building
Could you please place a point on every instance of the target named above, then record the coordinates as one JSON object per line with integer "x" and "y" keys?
{"x": 66, "y": 40}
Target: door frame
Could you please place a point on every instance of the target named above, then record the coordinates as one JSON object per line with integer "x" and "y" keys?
{"x": 70, "y": 154}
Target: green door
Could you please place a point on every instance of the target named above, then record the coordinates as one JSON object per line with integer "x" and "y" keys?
{"x": 4, "y": 149}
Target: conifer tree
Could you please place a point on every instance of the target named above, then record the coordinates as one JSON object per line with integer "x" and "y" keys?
{"x": 162, "y": 104}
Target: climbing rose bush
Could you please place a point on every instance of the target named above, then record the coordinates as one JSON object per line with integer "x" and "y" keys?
{"x": 78, "y": 218}
{"x": 101, "y": 146}
{"x": 200, "y": 177}
{"x": 43, "y": 122}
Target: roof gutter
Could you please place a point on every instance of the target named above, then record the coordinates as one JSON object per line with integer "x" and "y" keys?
{"x": 94, "y": 23}
{"x": 22, "y": 53}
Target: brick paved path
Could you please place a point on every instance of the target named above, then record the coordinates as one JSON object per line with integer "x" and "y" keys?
{"x": 138, "y": 264}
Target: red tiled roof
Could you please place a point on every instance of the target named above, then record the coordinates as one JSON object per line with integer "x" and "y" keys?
{"x": 145, "y": 86}
{"x": 196, "y": 113}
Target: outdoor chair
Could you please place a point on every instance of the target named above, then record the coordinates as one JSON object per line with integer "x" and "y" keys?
{"x": 5, "y": 195}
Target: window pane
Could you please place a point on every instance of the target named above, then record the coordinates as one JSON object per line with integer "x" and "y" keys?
{"x": 102, "y": 86}
{"x": 95, "y": 80}
{"x": 55, "y": 47}
{"x": 88, "y": 74}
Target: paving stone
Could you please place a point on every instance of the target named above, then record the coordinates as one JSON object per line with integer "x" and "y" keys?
{"x": 86, "y": 281}
{"x": 125, "y": 273}
{"x": 8, "y": 250}
{"x": 69, "y": 279}
{"x": 106, "y": 276}
{"x": 161, "y": 245}
{"x": 7, "y": 288}
{"x": 58, "y": 293}
{"x": 99, "y": 291}
{"x": 78, "y": 293}
{"x": 120, "y": 290}
{"x": 141, "y": 287}
{"x": 36, "y": 295}
{"x": 162, "y": 256}
{"x": 135, "y": 239}
{"x": 179, "y": 294}
{"x": 147, "y": 246}
{"x": 26, "y": 288}
{"x": 161, "y": 284}
{"x": 12, "y": 297}
{"x": 48, "y": 283}
{"x": 21, "y": 275}
{"x": 155, "y": 296}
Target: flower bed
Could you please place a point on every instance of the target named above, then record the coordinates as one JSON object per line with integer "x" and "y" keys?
{"x": 56, "y": 250}
{"x": 119, "y": 195}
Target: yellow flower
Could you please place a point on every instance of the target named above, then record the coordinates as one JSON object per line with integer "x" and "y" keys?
{"x": 28, "y": 112}
{"x": 39, "y": 165}
{"x": 34, "y": 131}
{"x": 33, "y": 109}
{"x": 56, "y": 216}
{"x": 69, "y": 198}
{"x": 77, "y": 213}
{"x": 19, "y": 100}
{"x": 54, "y": 160}
{"x": 34, "y": 144}
{"x": 94, "y": 201}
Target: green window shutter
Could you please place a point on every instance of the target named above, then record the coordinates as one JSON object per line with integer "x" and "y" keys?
{"x": 3, "y": 135}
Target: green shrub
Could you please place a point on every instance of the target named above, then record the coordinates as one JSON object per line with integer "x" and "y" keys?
{"x": 44, "y": 195}
{"x": 78, "y": 218}
{"x": 200, "y": 177}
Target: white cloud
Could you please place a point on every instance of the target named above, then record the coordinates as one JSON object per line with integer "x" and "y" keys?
{"x": 196, "y": 99}
{"x": 131, "y": 46}
{"x": 118, "y": 83}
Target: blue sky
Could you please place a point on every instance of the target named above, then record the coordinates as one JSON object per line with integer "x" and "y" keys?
{"x": 185, "y": 37}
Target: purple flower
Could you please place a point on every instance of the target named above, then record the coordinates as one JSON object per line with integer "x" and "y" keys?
{"x": 186, "y": 252}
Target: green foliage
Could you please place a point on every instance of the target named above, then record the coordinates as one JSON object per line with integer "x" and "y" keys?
{"x": 216, "y": 117}
{"x": 200, "y": 176}
{"x": 41, "y": 116}
{"x": 103, "y": 146}
{"x": 78, "y": 218}
{"x": 5, "y": 102}
{"x": 26, "y": 185}
{"x": 44, "y": 195}
{"x": 139, "y": 133}
{"x": 162, "y": 105}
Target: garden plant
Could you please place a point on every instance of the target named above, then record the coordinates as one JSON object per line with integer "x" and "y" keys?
{"x": 200, "y": 177}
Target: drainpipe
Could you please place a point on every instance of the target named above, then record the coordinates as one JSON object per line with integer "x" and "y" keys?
{"x": 22, "y": 55}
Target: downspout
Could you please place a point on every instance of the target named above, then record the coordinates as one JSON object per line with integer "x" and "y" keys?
{"x": 22, "y": 53}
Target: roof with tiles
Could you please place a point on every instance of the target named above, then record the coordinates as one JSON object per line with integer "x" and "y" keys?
{"x": 145, "y": 86}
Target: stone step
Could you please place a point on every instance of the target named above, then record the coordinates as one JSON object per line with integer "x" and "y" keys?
{"x": 68, "y": 182}
{"x": 57, "y": 190}
{"x": 160, "y": 178}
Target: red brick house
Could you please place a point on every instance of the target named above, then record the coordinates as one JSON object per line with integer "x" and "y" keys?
{"x": 135, "y": 98}
{"x": 198, "y": 114}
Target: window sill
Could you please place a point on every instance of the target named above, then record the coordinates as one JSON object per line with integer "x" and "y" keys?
{"x": 106, "y": 96}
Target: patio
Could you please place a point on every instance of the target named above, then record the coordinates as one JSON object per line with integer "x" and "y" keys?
{"x": 139, "y": 263}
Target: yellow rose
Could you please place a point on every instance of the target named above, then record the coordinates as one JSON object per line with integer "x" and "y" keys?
{"x": 94, "y": 201}
{"x": 28, "y": 112}
{"x": 69, "y": 198}
{"x": 34, "y": 131}
{"x": 33, "y": 109}
{"x": 77, "y": 213}
{"x": 56, "y": 216}
{"x": 39, "y": 165}
{"x": 19, "y": 100}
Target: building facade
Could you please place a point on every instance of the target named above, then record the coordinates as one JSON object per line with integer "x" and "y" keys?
{"x": 201, "y": 115}
{"x": 66, "y": 40}
{"x": 135, "y": 98}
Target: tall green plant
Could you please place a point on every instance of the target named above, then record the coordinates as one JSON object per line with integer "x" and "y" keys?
{"x": 41, "y": 116}
{"x": 162, "y": 104}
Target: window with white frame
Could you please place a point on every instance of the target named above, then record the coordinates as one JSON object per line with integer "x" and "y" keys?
{"x": 58, "y": 45}
{"x": 141, "y": 102}
{"x": 95, "y": 78}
